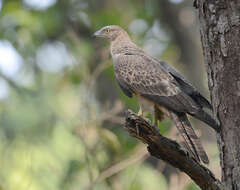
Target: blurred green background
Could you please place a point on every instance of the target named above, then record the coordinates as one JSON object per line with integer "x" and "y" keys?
{"x": 61, "y": 110}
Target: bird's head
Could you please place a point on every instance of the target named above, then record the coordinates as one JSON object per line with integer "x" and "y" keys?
{"x": 110, "y": 32}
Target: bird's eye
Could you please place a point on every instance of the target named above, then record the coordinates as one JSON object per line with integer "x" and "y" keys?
{"x": 107, "y": 31}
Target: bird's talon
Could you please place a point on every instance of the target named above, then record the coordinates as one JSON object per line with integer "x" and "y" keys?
{"x": 140, "y": 113}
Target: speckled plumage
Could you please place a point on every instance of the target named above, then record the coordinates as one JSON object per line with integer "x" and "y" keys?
{"x": 158, "y": 86}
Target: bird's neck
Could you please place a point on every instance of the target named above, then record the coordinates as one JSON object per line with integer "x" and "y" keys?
{"x": 121, "y": 45}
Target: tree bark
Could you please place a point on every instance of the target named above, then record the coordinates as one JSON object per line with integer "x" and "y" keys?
{"x": 220, "y": 36}
{"x": 170, "y": 151}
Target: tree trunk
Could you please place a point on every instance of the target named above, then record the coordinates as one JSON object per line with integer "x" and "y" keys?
{"x": 220, "y": 35}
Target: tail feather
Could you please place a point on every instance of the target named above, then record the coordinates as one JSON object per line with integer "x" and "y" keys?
{"x": 192, "y": 141}
{"x": 201, "y": 100}
{"x": 205, "y": 117}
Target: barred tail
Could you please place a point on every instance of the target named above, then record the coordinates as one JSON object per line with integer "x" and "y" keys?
{"x": 192, "y": 141}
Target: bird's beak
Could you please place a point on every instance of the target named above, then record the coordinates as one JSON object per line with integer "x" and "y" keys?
{"x": 97, "y": 34}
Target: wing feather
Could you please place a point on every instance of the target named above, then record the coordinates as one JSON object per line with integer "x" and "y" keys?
{"x": 186, "y": 86}
{"x": 143, "y": 75}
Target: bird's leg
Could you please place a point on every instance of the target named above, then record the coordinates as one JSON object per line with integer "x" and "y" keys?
{"x": 155, "y": 117}
{"x": 158, "y": 115}
{"x": 140, "y": 112}
{"x": 155, "y": 121}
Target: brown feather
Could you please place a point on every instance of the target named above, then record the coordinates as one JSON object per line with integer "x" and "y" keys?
{"x": 159, "y": 85}
{"x": 193, "y": 143}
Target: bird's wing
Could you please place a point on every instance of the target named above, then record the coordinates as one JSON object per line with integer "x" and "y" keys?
{"x": 186, "y": 86}
{"x": 127, "y": 91}
{"x": 193, "y": 143}
{"x": 143, "y": 75}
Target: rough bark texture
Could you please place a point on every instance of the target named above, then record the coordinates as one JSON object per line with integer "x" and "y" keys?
{"x": 171, "y": 152}
{"x": 220, "y": 35}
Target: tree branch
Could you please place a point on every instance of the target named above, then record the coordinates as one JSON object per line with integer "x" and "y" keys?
{"x": 170, "y": 151}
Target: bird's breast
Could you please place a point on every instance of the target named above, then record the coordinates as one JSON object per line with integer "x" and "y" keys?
{"x": 115, "y": 57}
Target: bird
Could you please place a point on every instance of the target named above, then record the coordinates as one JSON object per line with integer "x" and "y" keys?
{"x": 160, "y": 89}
